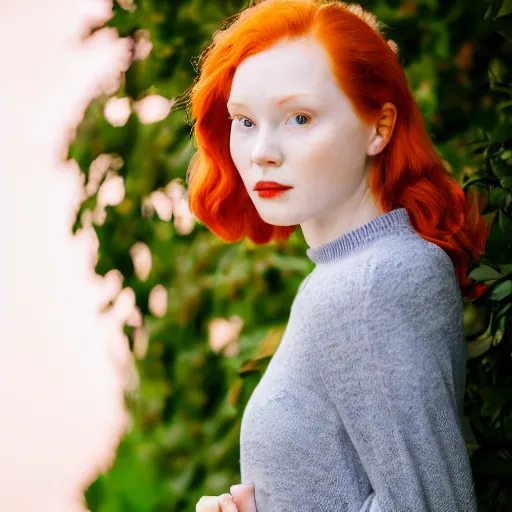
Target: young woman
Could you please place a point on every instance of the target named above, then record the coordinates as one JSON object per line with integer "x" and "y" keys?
{"x": 303, "y": 117}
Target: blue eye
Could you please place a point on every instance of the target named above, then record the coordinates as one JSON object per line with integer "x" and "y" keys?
{"x": 304, "y": 116}
{"x": 245, "y": 119}
{"x": 235, "y": 118}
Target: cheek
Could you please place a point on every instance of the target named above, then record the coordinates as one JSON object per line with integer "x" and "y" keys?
{"x": 320, "y": 150}
{"x": 334, "y": 146}
{"x": 330, "y": 162}
{"x": 238, "y": 150}
{"x": 234, "y": 150}
{"x": 240, "y": 158}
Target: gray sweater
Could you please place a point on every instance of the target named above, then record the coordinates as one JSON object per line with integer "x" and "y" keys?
{"x": 361, "y": 406}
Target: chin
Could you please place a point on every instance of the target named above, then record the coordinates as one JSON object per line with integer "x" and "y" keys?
{"x": 279, "y": 220}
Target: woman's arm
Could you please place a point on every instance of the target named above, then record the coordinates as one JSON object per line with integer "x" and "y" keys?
{"x": 397, "y": 380}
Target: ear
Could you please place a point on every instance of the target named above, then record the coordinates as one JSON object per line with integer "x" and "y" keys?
{"x": 383, "y": 130}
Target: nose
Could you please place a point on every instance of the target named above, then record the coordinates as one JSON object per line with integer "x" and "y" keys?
{"x": 266, "y": 151}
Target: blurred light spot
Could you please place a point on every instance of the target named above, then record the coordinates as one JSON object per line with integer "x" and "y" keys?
{"x": 162, "y": 204}
{"x": 232, "y": 350}
{"x": 142, "y": 260}
{"x": 184, "y": 225}
{"x": 131, "y": 379}
{"x": 112, "y": 284}
{"x": 424, "y": 91}
{"x": 112, "y": 190}
{"x": 140, "y": 343}
{"x": 222, "y": 333}
{"x": 99, "y": 168}
{"x": 182, "y": 209}
{"x": 157, "y": 301}
{"x": 184, "y": 220}
{"x": 125, "y": 303}
{"x": 143, "y": 45}
{"x": 86, "y": 218}
{"x": 147, "y": 208}
{"x": 175, "y": 189}
{"x": 127, "y": 5}
{"x": 99, "y": 214}
{"x": 117, "y": 111}
{"x": 135, "y": 318}
{"x": 153, "y": 108}
{"x": 87, "y": 241}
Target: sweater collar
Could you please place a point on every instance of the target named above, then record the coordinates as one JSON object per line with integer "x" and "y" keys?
{"x": 380, "y": 226}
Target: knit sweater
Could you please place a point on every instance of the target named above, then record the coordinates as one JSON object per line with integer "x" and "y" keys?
{"x": 361, "y": 406}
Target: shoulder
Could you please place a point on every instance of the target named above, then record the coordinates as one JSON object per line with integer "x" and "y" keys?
{"x": 410, "y": 261}
{"x": 394, "y": 264}
{"x": 414, "y": 282}
{"x": 397, "y": 271}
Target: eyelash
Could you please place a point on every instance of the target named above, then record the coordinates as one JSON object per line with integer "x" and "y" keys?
{"x": 233, "y": 118}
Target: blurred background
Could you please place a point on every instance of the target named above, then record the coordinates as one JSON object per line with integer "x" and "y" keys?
{"x": 206, "y": 316}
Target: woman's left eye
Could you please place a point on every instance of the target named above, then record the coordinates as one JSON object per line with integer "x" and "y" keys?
{"x": 303, "y": 116}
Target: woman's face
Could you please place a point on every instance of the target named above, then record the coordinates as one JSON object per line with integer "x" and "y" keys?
{"x": 314, "y": 142}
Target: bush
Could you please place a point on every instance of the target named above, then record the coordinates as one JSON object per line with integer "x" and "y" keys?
{"x": 184, "y": 442}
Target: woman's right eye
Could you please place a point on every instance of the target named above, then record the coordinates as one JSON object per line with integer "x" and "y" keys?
{"x": 236, "y": 118}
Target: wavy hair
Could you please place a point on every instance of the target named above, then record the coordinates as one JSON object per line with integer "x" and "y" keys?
{"x": 407, "y": 173}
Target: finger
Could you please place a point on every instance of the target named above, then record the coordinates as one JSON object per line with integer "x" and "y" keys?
{"x": 208, "y": 504}
{"x": 243, "y": 496}
{"x": 226, "y": 503}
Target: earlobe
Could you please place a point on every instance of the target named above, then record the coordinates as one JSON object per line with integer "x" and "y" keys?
{"x": 376, "y": 145}
{"x": 383, "y": 130}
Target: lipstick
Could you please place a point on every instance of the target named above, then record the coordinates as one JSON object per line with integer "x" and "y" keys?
{"x": 269, "y": 189}
{"x": 271, "y": 192}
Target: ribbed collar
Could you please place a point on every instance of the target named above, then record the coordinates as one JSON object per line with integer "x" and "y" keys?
{"x": 382, "y": 225}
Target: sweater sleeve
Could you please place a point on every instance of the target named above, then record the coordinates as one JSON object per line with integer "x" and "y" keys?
{"x": 394, "y": 368}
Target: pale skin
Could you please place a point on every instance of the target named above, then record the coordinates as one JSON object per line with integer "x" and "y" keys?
{"x": 241, "y": 499}
{"x": 315, "y": 143}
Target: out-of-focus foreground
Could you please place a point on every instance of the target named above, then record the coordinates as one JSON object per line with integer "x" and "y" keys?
{"x": 64, "y": 364}
{"x": 202, "y": 317}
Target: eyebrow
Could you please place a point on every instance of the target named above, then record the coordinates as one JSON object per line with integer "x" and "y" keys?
{"x": 280, "y": 101}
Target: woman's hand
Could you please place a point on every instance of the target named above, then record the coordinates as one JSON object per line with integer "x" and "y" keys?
{"x": 241, "y": 499}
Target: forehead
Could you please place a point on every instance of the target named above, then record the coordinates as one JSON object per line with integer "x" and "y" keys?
{"x": 299, "y": 66}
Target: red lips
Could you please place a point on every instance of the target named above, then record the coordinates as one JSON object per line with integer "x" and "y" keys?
{"x": 270, "y": 185}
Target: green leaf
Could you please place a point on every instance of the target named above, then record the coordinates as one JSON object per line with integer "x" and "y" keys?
{"x": 506, "y": 182}
{"x": 506, "y": 8}
{"x": 502, "y": 132}
{"x": 500, "y": 168}
{"x": 499, "y": 198}
{"x": 478, "y": 347}
{"x": 502, "y": 291}
{"x": 484, "y": 273}
{"x": 506, "y": 268}
{"x": 505, "y": 224}
{"x": 494, "y": 399}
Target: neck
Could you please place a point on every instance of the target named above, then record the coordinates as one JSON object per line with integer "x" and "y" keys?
{"x": 392, "y": 222}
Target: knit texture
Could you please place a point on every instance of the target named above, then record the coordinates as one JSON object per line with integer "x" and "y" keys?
{"x": 360, "y": 408}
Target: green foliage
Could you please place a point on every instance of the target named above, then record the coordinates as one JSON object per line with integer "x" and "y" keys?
{"x": 186, "y": 413}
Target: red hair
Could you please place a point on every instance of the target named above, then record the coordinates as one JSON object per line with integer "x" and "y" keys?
{"x": 407, "y": 173}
